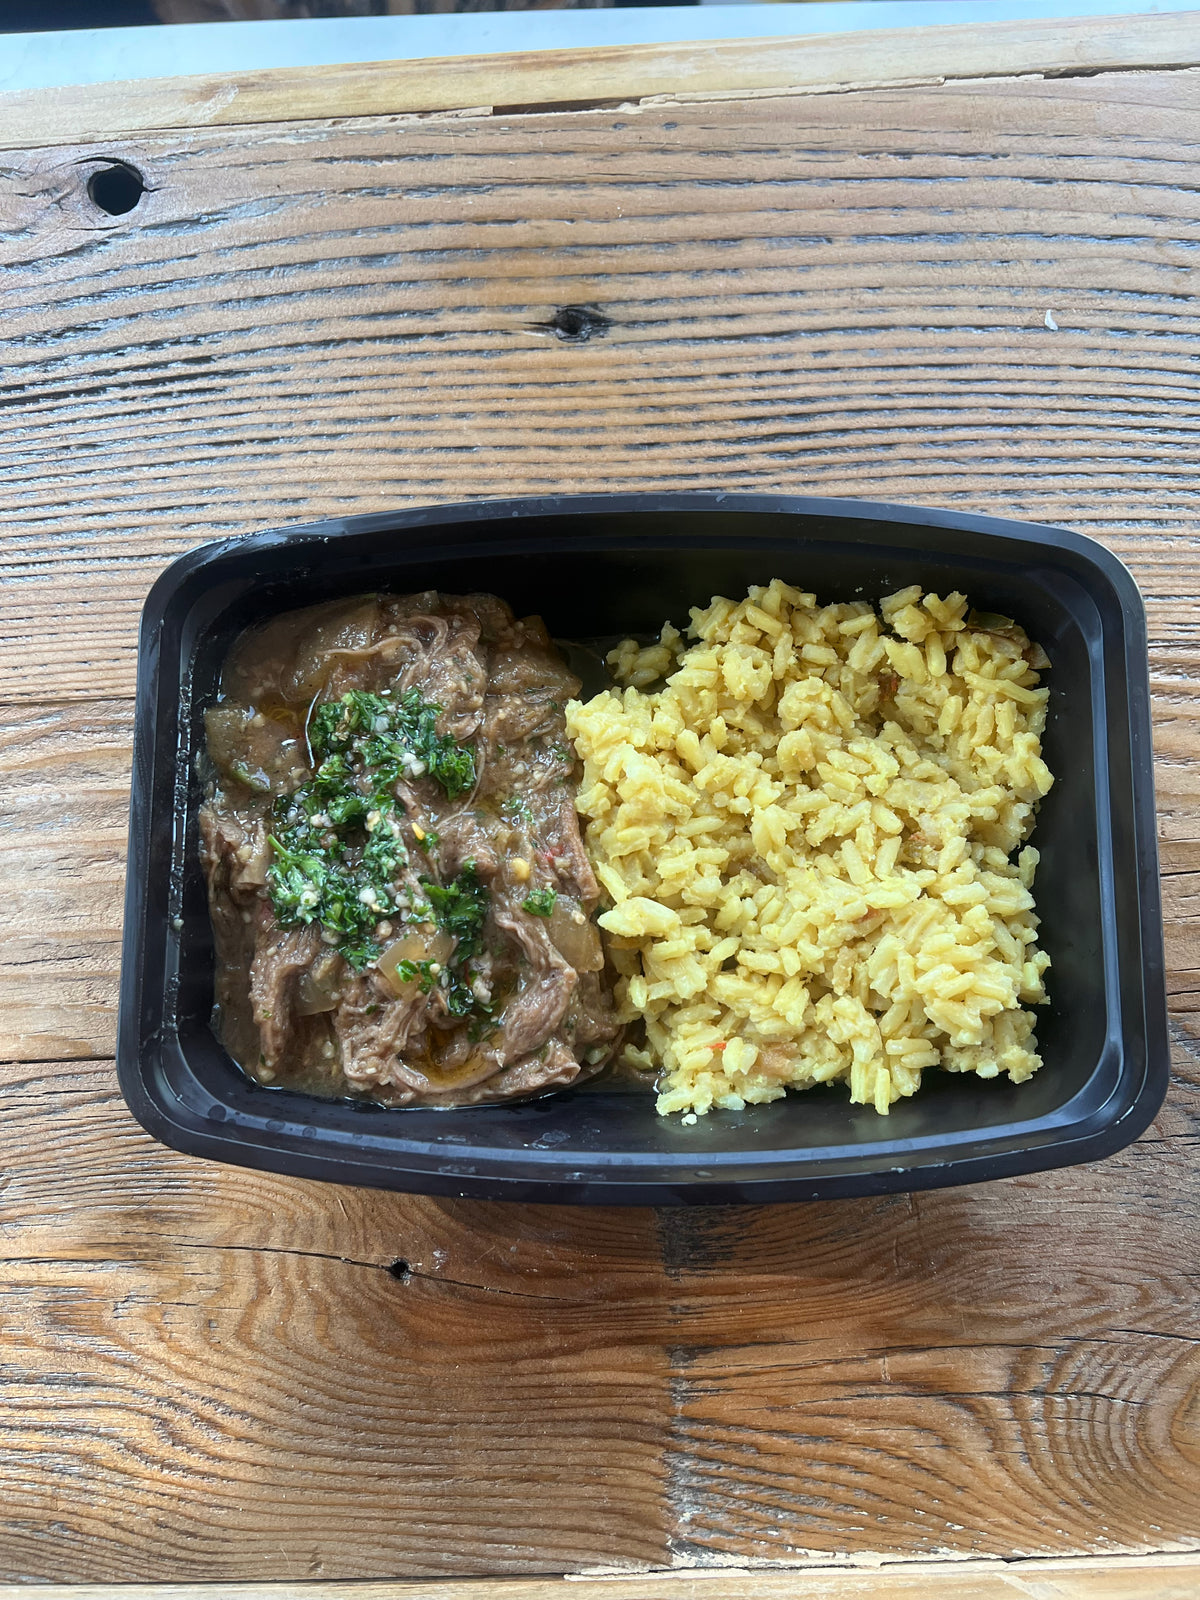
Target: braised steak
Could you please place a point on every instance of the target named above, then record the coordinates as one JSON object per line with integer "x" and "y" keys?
{"x": 401, "y": 902}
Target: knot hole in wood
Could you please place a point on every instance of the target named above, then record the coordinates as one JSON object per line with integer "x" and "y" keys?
{"x": 115, "y": 188}
{"x": 577, "y": 324}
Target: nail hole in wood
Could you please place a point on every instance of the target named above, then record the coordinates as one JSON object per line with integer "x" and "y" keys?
{"x": 578, "y": 324}
{"x": 400, "y": 1270}
{"x": 116, "y": 188}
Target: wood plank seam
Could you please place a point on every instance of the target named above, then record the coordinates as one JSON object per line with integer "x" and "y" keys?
{"x": 600, "y": 76}
{"x": 1089, "y": 1578}
{"x": 652, "y": 102}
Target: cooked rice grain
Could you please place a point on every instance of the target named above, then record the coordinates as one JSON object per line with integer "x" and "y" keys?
{"x": 805, "y": 837}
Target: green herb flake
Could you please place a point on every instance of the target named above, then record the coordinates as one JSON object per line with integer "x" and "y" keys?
{"x": 337, "y": 842}
{"x": 395, "y": 739}
{"x": 517, "y": 809}
{"x": 460, "y": 908}
{"x": 540, "y": 903}
{"x": 422, "y": 971}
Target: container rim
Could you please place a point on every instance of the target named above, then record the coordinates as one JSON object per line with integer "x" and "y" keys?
{"x": 1091, "y": 1137}
{"x": 328, "y": 530}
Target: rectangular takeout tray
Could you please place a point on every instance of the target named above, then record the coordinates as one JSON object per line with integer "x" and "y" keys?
{"x": 616, "y": 564}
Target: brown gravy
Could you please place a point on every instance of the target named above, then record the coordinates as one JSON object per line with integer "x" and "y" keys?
{"x": 401, "y": 902}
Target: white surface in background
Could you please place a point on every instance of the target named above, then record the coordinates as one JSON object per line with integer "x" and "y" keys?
{"x": 100, "y": 55}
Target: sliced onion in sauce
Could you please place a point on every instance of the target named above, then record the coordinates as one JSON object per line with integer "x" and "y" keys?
{"x": 352, "y": 627}
{"x": 317, "y": 989}
{"x": 433, "y": 946}
{"x": 577, "y": 942}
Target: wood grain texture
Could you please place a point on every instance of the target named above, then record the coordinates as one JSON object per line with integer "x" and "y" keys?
{"x": 64, "y": 810}
{"x": 1097, "y": 1578}
{"x": 211, "y": 1374}
{"x": 816, "y": 63}
{"x": 218, "y": 1377}
{"x": 842, "y": 295}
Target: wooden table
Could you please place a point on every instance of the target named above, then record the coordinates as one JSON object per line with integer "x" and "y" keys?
{"x": 970, "y": 280}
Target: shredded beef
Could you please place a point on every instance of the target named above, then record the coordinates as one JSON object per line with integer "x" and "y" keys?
{"x": 450, "y": 986}
{"x": 280, "y": 956}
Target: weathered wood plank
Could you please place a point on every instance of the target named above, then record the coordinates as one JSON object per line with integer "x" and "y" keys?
{"x": 1095, "y": 1578}
{"x": 221, "y": 1375}
{"x": 214, "y": 1374}
{"x": 64, "y": 805}
{"x": 269, "y": 1401}
{"x": 843, "y": 295}
{"x": 536, "y": 79}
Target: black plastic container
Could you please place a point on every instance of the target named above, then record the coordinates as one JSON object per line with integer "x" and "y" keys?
{"x": 610, "y": 564}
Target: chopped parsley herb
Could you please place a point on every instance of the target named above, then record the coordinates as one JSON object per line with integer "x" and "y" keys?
{"x": 460, "y": 909}
{"x": 296, "y": 880}
{"x": 318, "y": 874}
{"x": 337, "y": 841}
{"x": 517, "y": 809}
{"x": 540, "y": 903}
{"x": 406, "y": 971}
{"x": 396, "y": 739}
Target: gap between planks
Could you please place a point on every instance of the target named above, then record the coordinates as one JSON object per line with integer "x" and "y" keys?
{"x": 1159, "y": 1577}
{"x": 607, "y": 76}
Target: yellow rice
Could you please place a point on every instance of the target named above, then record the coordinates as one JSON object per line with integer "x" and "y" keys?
{"x": 804, "y": 838}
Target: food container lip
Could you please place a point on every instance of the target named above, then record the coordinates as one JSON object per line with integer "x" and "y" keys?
{"x": 1037, "y": 534}
{"x": 145, "y": 1040}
